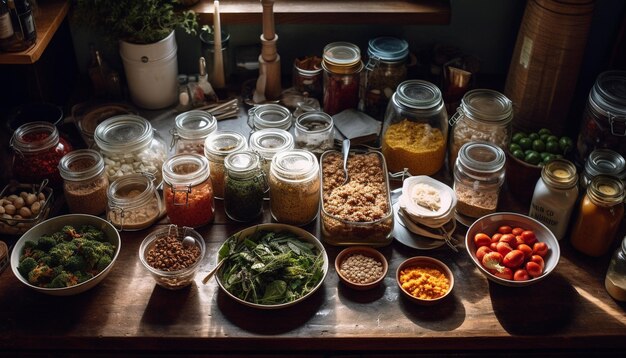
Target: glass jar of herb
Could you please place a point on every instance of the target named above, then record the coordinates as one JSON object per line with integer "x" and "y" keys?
{"x": 217, "y": 146}
{"x": 244, "y": 186}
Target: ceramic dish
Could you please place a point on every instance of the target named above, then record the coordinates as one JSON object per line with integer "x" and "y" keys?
{"x": 406, "y": 237}
{"x": 425, "y": 262}
{"x": 367, "y": 252}
{"x": 417, "y": 212}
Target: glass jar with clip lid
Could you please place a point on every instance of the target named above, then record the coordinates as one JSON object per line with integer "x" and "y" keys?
{"x": 133, "y": 202}
{"x": 245, "y": 185}
{"x": 190, "y": 131}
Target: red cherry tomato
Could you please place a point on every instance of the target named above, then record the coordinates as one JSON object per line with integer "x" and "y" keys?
{"x": 540, "y": 248}
{"x": 493, "y": 246}
{"x": 517, "y": 231}
{"x": 513, "y": 259}
{"x": 509, "y": 239}
{"x": 506, "y": 274}
{"x": 505, "y": 229}
{"x": 482, "y": 239}
{"x": 492, "y": 261}
{"x": 521, "y": 275}
{"x": 538, "y": 260}
{"x": 482, "y": 251}
{"x": 519, "y": 240}
{"x": 528, "y": 252}
{"x": 496, "y": 237}
{"x": 503, "y": 248}
{"x": 529, "y": 237}
{"x": 534, "y": 269}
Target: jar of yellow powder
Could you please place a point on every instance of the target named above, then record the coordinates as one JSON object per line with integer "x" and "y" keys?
{"x": 415, "y": 130}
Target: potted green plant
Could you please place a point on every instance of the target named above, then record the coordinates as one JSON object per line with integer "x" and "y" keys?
{"x": 144, "y": 30}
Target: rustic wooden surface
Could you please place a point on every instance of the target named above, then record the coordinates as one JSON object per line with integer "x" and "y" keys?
{"x": 570, "y": 311}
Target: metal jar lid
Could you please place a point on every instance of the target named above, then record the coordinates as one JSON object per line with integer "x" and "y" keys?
{"x": 609, "y": 93}
{"x": 418, "y": 94}
{"x": 487, "y": 105}
{"x": 342, "y": 58}
{"x": 605, "y": 161}
{"x": 388, "y": 49}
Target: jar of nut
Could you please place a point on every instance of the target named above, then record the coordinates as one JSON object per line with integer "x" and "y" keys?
{"x": 217, "y": 146}
{"x": 190, "y": 131}
{"x": 85, "y": 183}
{"x": 133, "y": 202}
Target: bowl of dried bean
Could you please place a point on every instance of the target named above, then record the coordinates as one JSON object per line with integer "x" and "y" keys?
{"x": 361, "y": 267}
{"x": 172, "y": 260}
{"x": 424, "y": 280}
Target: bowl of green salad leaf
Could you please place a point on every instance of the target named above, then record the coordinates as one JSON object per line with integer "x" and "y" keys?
{"x": 271, "y": 266}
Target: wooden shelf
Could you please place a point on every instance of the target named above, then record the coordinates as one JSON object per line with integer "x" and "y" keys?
{"x": 424, "y": 12}
{"x": 48, "y": 19}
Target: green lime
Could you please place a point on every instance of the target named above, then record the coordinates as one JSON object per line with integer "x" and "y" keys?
{"x": 517, "y": 136}
{"x": 544, "y": 137}
{"x": 532, "y": 158}
{"x": 527, "y": 151}
{"x": 519, "y": 154}
{"x": 553, "y": 138}
{"x": 544, "y": 155}
{"x": 538, "y": 145}
{"x": 514, "y": 146}
{"x": 547, "y": 158}
{"x": 543, "y": 131}
{"x": 525, "y": 143}
{"x": 553, "y": 147}
{"x": 533, "y": 136}
{"x": 566, "y": 144}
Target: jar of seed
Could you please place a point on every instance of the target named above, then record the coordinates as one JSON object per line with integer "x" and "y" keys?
{"x": 85, "y": 183}
{"x": 244, "y": 186}
{"x": 217, "y": 146}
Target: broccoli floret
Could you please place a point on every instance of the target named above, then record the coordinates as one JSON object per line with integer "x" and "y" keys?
{"x": 104, "y": 261}
{"x": 76, "y": 263}
{"x": 94, "y": 250}
{"x": 70, "y": 231}
{"x": 45, "y": 243}
{"x": 62, "y": 252}
{"x": 40, "y": 275}
{"x": 82, "y": 276}
{"x": 26, "y": 265}
{"x": 91, "y": 233}
{"x": 29, "y": 245}
{"x": 64, "y": 279}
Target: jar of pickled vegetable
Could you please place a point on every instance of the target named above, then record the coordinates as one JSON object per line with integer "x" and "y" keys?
{"x": 187, "y": 190}
{"x": 190, "y": 131}
{"x": 37, "y": 150}
{"x": 85, "y": 184}
{"x": 217, "y": 146}
{"x": 415, "y": 130}
{"x": 342, "y": 66}
{"x": 244, "y": 186}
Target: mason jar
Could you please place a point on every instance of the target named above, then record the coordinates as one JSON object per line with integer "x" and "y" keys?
{"x": 130, "y": 145}
{"x": 478, "y": 178}
{"x": 37, "y": 150}
{"x": 307, "y": 76}
{"x": 190, "y": 131}
{"x": 615, "y": 280}
{"x": 315, "y": 132}
{"x": 85, "y": 184}
{"x": 217, "y": 146}
{"x": 603, "y": 161}
{"x": 342, "y": 65}
{"x": 484, "y": 115}
{"x": 269, "y": 116}
{"x": 415, "y": 130}
{"x": 244, "y": 186}
{"x": 267, "y": 142}
{"x": 133, "y": 202}
{"x": 294, "y": 183}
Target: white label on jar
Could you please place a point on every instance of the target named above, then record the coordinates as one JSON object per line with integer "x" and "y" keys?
{"x": 6, "y": 30}
{"x": 525, "y": 52}
{"x": 553, "y": 208}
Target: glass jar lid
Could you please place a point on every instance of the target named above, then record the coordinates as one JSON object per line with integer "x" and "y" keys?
{"x": 81, "y": 164}
{"x": 270, "y": 141}
{"x": 187, "y": 169}
{"x": 34, "y": 136}
{"x": 609, "y": 92}
{"x": 482, "y": 157}
{"x": 132, "y": 190}
{"x": 270, "y": 116}
{"x": 606, "y": 190}
{"x": 605, "y": 161}
{"x": 560, "y": 174}
{"x": 123, "y": 132}
{"x": 487, "y": 105}
{"x": 314, "y": 122}
{"x": 342, "y": 58}
{"x": 242, "y": 164}
{"x": 294, "y": 165}
{"x": 418, "y": 94}
{"x": 388, "y": 49}
{"x": 221, "y": 143}
{"x": 195, "y": 124}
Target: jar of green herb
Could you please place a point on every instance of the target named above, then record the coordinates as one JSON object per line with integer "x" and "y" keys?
{"x": 244, "y": 186}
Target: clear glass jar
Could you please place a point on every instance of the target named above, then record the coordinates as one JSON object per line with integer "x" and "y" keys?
{"x": 315, "y": 132}
{"x": 342, "y": 66}
{"x": 217, "y": 146}
{"x": 269, "y": 116}
{"x": 307, "y": 76}
{"x": 554, "y": 197}
{"x": 129, "y": 145}
{"x": 604, "y": 119}
{"x": 415, "y": 130}
{"x": 267, "y": 142}
{"x": 85, "y": 184}
{"x": 190, "y": 131}
{"x": 385, "y": 70}
{"x": 603, "y": 161}
{"x": 244, "y": 186}
{"x": 187, "y": 190}
{"x": 37, "y": 150}
{"x": 484, "y": 115}
{"x": 294, "y": 187}
{"x": 134, "y": 203}
{"x": 478, "y": 178}
{"x": 615, "y": 281}
{"x": 600, "y": 213}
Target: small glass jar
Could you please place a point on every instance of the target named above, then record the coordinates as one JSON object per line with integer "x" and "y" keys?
{"x": 615, "y": 281}
{"x": 267, "y": 142}
{"x": 187, "y": 190}
{"x": 315, "y": 132}
{"x": 37, "y": 150}
{"x": 217, "y": 146}
{"x": 134, "y": 203}
{"x": 307, "y": 76}
{"x": 129, "y": 145}
{"x": 85, "y": 184}
{"x": 385, "y": 70}
{"x": 190, "y": 131}
{"x": 294, "y": 187}
{"x": 554, "y": 197}
{"x": 244, "y": 186}
{"x": 604, "y": 119}
{"x": 269, "y": 116}
{"x": 478, "y": 178}
{"x": 600, "y": 213}
{"x": 415, "y": 130}
{"x": 484, "y": 115}
{"x": 603, "y": 161}
{"x": 342, "y": 66}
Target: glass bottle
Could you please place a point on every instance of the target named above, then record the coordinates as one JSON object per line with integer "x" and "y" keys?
{"x": 478, "y": 178}
{"x": 244, "y": 186}
{"x": 7, "y": 35}
{"x": 315, "y": 132}
{"x": 484, "y": 115}
{"x": 187, "y": 190}
{"x": 600, "y": 213}
{"x": 615, "y": 281}
{"x": 217, "y": 146}
{"x": 603, "y": 161}
{"x": 133, "y": 202}
{"x": 269, "y": 116}
{"x": 129, "y": 144}
{"x": 37, "y": 150}
{"x": 267, "y": 142}
{"x": 554, "y": 197}
{"x": 342, "y": 66}
{"x": 294, "y": 187}
{"x": 85, "y": 183}
{"x": 191, "y": 130}
{"x": 415, "y": 130}
{"x": 385, "y": 70}
{"x": 23, "y": 22}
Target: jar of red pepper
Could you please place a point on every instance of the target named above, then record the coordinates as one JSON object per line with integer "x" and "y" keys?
{"x": 342, "y": 71}
{"x": 37, "y": 151}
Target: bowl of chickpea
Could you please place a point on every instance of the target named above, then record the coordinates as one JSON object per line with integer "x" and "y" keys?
{"x": 424, "y": 280}
{"x": 361, "y": 267}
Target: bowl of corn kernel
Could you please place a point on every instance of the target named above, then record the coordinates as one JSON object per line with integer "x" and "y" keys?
{"x": 424, "y": 280}
{"x": 361, "y": 267}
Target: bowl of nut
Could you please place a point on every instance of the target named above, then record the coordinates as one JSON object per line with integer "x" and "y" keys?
{"x": 172, "y": 255}
{"x": 361, "y": 267}
{"x": 424, "y": 280}
{"x": 23, "y": 206}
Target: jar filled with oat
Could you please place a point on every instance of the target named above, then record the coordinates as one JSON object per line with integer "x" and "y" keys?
{"x": 133, "y": 202}
{"x": 190, "y": 131}
{"x": 415, "y": 130}
{"x": 294, "y": 187}
{"x": 484, "y": 115}
{"x": 85, "y": 183}
{"x": 267, "y": 142}
{"x": 478, "y": 178}
{"x": 217, "y": 146}
{"x": 244, "y": 186}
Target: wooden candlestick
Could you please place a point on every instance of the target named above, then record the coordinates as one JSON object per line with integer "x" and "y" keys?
{"x": 218, "y": 60}
{"x": 268, "y": 19}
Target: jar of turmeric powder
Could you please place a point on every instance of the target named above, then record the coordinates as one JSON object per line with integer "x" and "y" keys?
{"x": 415, "y": 129}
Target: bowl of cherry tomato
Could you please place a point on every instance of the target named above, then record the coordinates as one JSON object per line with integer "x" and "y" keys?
{"x": 512, "y": 249}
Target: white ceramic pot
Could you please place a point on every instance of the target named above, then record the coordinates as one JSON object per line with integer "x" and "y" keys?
{"x": 151, "y": 72}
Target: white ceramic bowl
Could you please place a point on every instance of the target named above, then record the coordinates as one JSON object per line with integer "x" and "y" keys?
{"x": 56, "y": 224}
{"x": 489, "y": 225}
{"x": 426, "y": 216}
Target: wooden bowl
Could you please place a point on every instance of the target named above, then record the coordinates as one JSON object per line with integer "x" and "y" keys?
{"x": 521, "y": 178}
{"x": 425, "y": 262}
{"x": 365, "y": 251}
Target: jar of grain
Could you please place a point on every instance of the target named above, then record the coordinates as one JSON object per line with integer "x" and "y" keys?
{"x": 269, "y": 116}
{"x": 315, "y": 132}
{"x": 342, "y": 66}
{"x": 244, "y": 186}
{"x": 267, "y": 142}
{"x": 294, "y": 187}
{"x": 187, "y": 190}
{"x": 85, "y": 183}
{"x": 217, "y": 146}
{"x": 133, "y": 202}
{"x": 484, "y": 115}
{"x": 478, "y": 177}
{"x": 190, "y": 131}
{"x": 415, "y": 130}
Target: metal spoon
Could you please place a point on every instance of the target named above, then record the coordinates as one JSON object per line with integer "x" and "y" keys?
{"x": 345, "y": 150}
{"x": 188, "y": 242}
